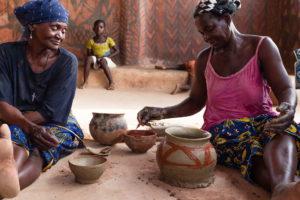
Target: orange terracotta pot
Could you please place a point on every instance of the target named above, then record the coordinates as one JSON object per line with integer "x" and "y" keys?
{"x": 186, "y": 157}
{"x": 140, "y": 141}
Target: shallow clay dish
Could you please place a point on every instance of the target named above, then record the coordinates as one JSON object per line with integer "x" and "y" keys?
{"x": 160, "y": 130}
{"x": 87, "y": 168}
{"x": 140, "y": 141}
{"x": 160, "y": 127}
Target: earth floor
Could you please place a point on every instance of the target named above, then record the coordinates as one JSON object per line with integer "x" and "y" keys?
{"x": 133, "y": 176}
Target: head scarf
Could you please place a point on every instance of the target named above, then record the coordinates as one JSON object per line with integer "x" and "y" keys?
{"x": 218, "y": 7}
{"x": 41, "y": 11}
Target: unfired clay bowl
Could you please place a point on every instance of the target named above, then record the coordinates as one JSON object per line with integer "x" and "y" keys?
{"x": 159, "y": 127}
{"x": 87, "y": 168}
{"x": 140, "y": 141}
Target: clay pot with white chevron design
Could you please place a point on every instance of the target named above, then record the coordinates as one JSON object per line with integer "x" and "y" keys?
{"x": 186, "y": 157}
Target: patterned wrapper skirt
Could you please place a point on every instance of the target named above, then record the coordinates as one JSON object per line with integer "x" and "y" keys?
{"x": 69, "y": 137}
{"x": 237, "y": 141}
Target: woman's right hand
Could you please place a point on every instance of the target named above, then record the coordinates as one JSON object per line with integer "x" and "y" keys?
{"x": 150, "y": 113}
{"x": 42, "y": 138}
{"x": 279, "y": 124}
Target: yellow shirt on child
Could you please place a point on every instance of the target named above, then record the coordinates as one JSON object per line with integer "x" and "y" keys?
{"x": 100, "y": 49}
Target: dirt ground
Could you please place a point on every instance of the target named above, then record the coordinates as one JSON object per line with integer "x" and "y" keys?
{"x": 133, "y": 176}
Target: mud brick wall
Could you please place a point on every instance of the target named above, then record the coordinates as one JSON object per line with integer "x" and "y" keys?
{"x": 151, "y": 31}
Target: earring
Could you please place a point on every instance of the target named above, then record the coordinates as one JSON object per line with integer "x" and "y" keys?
{"x": 30, "y": 37}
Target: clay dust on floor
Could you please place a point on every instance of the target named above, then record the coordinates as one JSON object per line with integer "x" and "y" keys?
{"x": 132, "y": 176}
{"x": 135, "y": 177}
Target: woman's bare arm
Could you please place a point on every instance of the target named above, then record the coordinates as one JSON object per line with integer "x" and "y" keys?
{"x": 278, "y": 79}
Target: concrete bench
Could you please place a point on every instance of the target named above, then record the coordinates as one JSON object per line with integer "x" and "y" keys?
{"x": 136, "y": 77}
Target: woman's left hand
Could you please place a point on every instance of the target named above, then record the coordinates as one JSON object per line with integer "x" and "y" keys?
{"x": 42, "y": 138}
{"x": 279, "y": 124}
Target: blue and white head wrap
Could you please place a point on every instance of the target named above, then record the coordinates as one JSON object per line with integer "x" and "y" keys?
{"x": 218, "y": 7}
{"x": 41, "y": 11}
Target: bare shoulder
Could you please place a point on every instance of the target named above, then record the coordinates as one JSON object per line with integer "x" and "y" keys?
{"x": 203, "y": 53}
{"x": 268, "y": 43}
{"x": 268, "y": 49}
{"x": 252, "y": 40}
{"x": 202, "y": 59}
{"x": 198, "y": 91}
{"x": 264, "y": 44}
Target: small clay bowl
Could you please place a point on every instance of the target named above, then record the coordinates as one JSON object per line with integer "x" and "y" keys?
{"x": 159, "y": 127}
{"x": 140, "y": 141}
{"x": 160, "y": 130}
{"x": 87, "y": 168}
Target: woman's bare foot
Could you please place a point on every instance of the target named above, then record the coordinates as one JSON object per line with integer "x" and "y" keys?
{"x": 111, "y": 86}
{"x": 83, "y": 85}
{"x": 289, "y": 191}
{"x": 9, "y": 180}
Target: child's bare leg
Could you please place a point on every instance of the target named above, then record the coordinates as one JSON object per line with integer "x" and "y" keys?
{"x": 111, "y": 85}
{"x": 9, "y": 181}
{"x": 87, "y": 69}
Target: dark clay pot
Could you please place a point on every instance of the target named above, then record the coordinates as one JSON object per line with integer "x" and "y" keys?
{"x": 108, "y": 128}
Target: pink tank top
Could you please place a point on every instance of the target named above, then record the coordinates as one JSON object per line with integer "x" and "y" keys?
{"x": 242, "y": 94}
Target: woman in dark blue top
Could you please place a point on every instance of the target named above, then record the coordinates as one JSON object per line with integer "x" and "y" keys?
{"x": 37, "y": 87}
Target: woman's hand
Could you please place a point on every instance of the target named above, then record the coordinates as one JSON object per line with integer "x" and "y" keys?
{"x": 279, "y": 124}
{"x": 43, "y": 138}
{"x": 150, "y": 113}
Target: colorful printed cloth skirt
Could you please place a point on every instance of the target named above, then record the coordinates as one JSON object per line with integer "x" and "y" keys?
{"x": 237, "y": 141}
{"x": 69, "y": 137}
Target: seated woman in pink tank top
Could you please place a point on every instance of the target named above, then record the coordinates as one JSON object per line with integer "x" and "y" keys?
{"x": 233, "y": 80}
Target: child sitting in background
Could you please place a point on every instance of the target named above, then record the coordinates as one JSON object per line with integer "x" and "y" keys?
{"x": 100, "y": 50}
